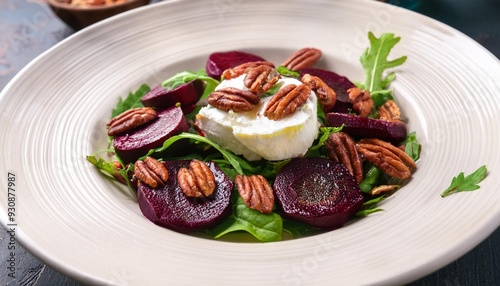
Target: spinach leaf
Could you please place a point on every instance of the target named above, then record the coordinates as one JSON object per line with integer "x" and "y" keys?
{"x": 237, "y": 162}
{"x": 264, "y": 227}
{"x": 187, "y": 76}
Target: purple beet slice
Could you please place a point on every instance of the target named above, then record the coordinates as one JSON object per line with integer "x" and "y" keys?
{"x": 357, "y": 126}
{"x": 170, "y": 208}
{"x": 186, "y": 94}
{"x": 130, "y": 146}
{"x": 220, "y": 61}
{"x": 317, "y": 191}
{"x": 339, "y": 84}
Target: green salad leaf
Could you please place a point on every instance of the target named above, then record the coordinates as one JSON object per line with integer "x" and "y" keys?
{"x": 462, "y": 183}
{"x": 234, "y": 160}
{"x": 272, "y": 227}
{"x": 323, "y": 134}
{"x": 187, "y": 76}
{"x": 369, "y": 207}
{"x": 284, "y": 71}
{"x": 273, "y": 89}
{"x": 412, "y": 146}
{"x": 375, "y": 64}
{"x": 264, "y": 227}
{"x": 107, "y": 168}
{"x": 371, "y": 178}
{"x": 111, "y": 171}
{"x": 133, "y": 100}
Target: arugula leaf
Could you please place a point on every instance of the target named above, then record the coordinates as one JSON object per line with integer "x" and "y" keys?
{"x": 412, "y": 146}
{"x": 375, "y": 63}
{"x": 264, "y": 227}
{"x": 369, "y": 207}
{"x": 133, "y": 100}
{"x": 273, "y": 89}
{"x": 381, "y": 96}
{"x": 369, "y": 211}
{"x": 324, "y": 133}
{"x": 234, "y": 160}
{"x": 462, "y": 183}
{"x": 187, "y": 76}
{"x": 111, "y": 171}
{"x": 299, "y": 229}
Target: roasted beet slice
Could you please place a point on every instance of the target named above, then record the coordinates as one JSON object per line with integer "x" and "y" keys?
{"x": 317, "y": 191}
{"x": 220, "y": 61}
{"x": 170, "y": 208}
{"x": 186, "y": 94}
{"x": 339, "y": 84}
{"x": 130, "y": 146}
{"x": 354, "y": 125}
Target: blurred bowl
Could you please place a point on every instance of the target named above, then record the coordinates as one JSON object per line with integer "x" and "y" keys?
{"x": 79, "y": 17}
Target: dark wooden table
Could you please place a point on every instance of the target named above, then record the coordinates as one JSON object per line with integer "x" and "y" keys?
{"x": 28, "y": 28}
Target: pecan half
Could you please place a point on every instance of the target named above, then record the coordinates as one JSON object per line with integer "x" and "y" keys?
{"x": 387, "y": 157}
{"x": 256, "y": 192}
{"x": 197, "y": 181}
{"x": 389, "y": 111}
{"x": 326, "y": 95}
{"x": 130, "y": 119}
{"x": 243, "y": 68}
{"x": 303, "y": 58}
{"x": 361, "y": 100}
{"x": 286, "y": 101}
{"x": 151, "y": 172}
{"x": 235, "y": 99}
{"x": 261, "y": 79}
{"x": 383, "y": 189}
{"x": 341, "y": 148}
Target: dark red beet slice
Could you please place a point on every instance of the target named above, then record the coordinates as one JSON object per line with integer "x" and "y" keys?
{"x": 339, "y": 84}
{"x": 130, "y": 146}
{"x": 354, "y": 125}
{"x": 317, "y": 191}
{"x": 220, "y": 61}
{"x": 186, "y": 94}
{"x": 170, "y": 208}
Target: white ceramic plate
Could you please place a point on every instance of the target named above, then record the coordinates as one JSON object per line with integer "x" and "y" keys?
{"x": 54, "y": 111}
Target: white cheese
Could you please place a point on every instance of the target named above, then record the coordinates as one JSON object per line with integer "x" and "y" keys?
{"x": 253, "y": 135}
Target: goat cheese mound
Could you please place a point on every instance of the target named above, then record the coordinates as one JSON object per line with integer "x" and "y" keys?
{"x": 253, "y": 135}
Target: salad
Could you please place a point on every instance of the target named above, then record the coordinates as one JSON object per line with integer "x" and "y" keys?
{"x": 274, "y": 150}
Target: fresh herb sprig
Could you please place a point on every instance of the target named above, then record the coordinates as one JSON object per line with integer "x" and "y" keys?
{"x": 375, "y": 64}
{"x": 264, "y": 227}
{"x": 462, "y": 183}
{"x": 270, "y": 227}
{"x": 187, "y": 76}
